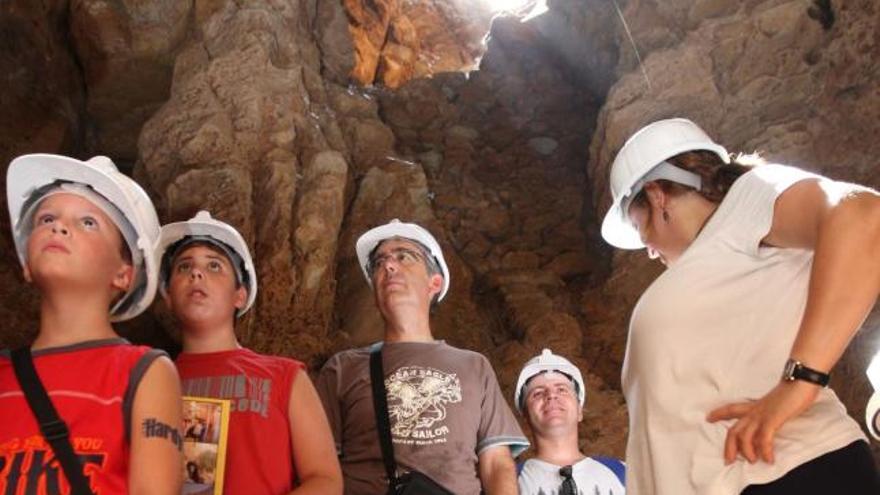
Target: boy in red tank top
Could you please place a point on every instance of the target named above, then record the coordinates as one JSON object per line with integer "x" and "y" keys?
{"x": 279, "y": 440}
{"x": 84, "y": 234}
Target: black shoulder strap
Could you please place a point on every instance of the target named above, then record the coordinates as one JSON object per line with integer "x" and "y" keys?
{"x": 54, "y": 429}
{"x": 380, "y": 406}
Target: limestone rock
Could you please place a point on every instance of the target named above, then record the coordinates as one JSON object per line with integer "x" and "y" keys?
{"x": 334, "y": 41}
{"x": 245, "y": 135}
{"x": 395, "y": 41}
{"x": 42, "y": 93}
{"x": 543, "y": 145}
{"x": 450, "y": 34}
{"x": 558, "y": 331}
{"x": 42, "y": 98}
{"x": 127, "y": 52}
{"x": 369, "y": 23}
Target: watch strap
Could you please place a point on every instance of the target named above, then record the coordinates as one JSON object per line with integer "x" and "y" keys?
{"x": 795, "y": 370}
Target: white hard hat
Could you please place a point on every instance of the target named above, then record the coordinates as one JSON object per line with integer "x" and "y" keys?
{"x": 203, "y": 228}
{"x": 31, "y": 177}
{"x": 395, "y": 228}
{"x": 640, "y": 155}
{"x": 872, "y": 411}
{"x": 543, "y": 363}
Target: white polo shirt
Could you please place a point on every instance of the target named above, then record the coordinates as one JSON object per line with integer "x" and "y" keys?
{"x": 542, "y": 478}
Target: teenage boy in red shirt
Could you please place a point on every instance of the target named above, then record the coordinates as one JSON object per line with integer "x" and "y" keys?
{"x": 84, "y": 235}
{"x": 279, "y": 438}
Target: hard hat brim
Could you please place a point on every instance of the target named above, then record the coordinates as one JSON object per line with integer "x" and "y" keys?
{"x": 618, "y": 231}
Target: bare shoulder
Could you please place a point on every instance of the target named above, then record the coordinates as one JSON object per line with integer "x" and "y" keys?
{"x": 160, "y": 382}
{"x": 162, "y": 370}
{"x": 801, "y": 209}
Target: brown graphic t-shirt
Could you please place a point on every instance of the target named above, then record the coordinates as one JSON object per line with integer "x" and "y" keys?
{"x": 445, "y": 408}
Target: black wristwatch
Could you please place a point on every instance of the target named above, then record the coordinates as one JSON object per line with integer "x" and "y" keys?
{"x": 795, "y": 370}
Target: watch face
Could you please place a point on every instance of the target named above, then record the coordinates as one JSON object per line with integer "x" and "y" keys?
{"x": 788, "y": 371}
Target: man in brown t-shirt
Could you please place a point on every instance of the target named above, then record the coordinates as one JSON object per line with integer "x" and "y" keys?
{"x": 448, "y": 417}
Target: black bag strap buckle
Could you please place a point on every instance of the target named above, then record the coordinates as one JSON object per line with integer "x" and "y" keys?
{"x": 54, "y": 430}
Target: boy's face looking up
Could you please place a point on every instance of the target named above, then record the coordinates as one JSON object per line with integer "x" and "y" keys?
{"x": 202, "y": 289}
{"x": 75, "y": 244}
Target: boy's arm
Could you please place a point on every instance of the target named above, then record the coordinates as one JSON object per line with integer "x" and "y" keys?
{"x": 314, "y": 454}
{"x": 155, "y": 461}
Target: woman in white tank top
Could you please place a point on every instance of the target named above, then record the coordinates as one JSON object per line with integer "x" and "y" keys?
{"x": 770, "y": 272}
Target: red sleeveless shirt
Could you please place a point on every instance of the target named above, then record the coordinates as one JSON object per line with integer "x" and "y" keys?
{"x": 259, "y": 455}
{"x": 92, "y": 386}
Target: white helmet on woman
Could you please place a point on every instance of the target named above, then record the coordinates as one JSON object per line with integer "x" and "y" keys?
{"x": 203, "y": 228}
{"x": 643, "y": 159}
{"x": 544, "y": 363}
{"x": 367, "y": 242}
{"x": 32, "y": 178}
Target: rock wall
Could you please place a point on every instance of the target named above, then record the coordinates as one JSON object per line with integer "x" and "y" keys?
{"x": 304, "y": 123}
{"x": 126, "y": 51}
{"x": 395, "y": 41}
{"x": 43, "y": 101}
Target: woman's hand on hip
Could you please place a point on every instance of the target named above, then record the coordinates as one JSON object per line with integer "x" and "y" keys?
{"x": 758, "y": 421}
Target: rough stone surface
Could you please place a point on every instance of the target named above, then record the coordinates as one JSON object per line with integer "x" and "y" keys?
{"x": 246, "y": 135}
{"x": 334, "y": 41}
{"x": 42, "y": 98}
{"x": 398, "y": 40}
{"x": 370, "y": 23}
{"x": 126, "y": 50}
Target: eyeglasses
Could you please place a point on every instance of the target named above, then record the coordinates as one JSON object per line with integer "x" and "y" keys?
{"x": 403, "y": 257}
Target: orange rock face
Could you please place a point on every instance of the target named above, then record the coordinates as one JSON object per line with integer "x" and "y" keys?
{"x": 396, "y": 41}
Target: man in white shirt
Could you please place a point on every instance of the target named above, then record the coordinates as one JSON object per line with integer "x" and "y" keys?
{"x": 550, "y": 394}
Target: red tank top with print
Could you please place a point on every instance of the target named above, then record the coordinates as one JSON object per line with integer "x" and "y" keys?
{"x": 259, "y": 458}
{"x": 91, "y": 385}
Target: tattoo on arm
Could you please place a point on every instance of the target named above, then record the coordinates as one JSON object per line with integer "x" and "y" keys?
{"x": 152, "y": 427}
